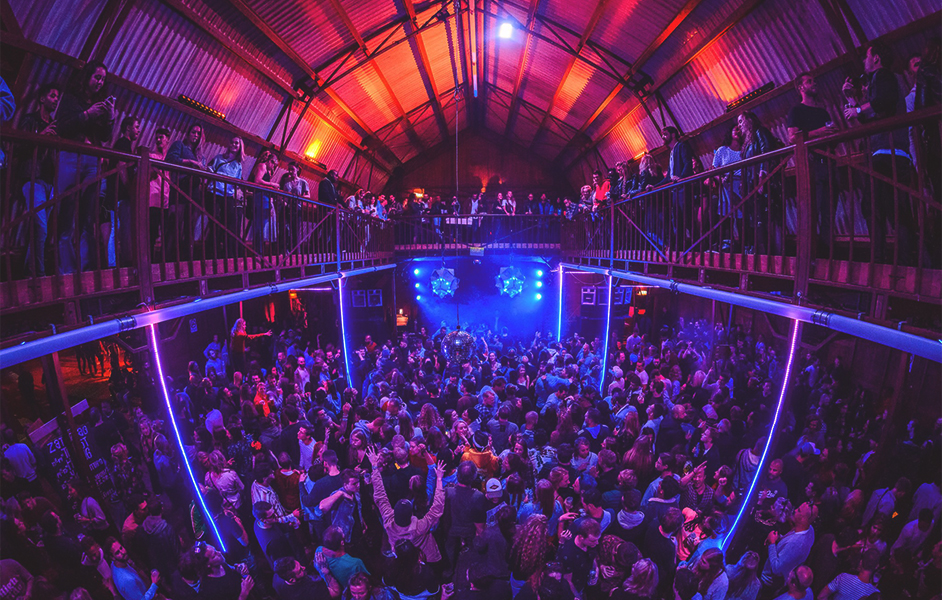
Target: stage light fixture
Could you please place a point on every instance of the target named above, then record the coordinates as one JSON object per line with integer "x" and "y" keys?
{"x": 418, "y": 297}
{"x": 416, "y": 272}
{"x": 539, "y": 284}
{"x": 444, "y": 282}
{"x": 539, "y": 273}
{"x": 418, "y": 285}
{"x": 505, "y": 31}
{"x": 539, "y": 296}
{"x": 510, "y": 281}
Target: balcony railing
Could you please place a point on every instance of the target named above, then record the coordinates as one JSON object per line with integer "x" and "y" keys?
{"x": 79, "y": 220}
{"x": 836, "y": 209}
{"x": 430, "y": 233}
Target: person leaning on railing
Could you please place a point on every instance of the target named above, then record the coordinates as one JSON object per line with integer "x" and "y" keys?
{"x": 84, "y": 115}
{"x": 38, "y": 177}
{"x": 890, "y": 156}
{"x": 185, "y": 152}
{"x": 226, "y": 201}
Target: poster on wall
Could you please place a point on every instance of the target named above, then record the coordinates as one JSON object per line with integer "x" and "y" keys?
{"x": 53, "y": 446}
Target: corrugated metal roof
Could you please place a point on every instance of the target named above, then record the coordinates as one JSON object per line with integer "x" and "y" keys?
{"x": 439, "y": 55}
{"x": 878, "y": 18}
{"x": 574, "y": 15}
{"x": 60, "y": 24}
{"x": 400, "y": 69}
{"x": 544, "y": 72}
{"x": 626, "y": 28}
{"x": 159, "y": 50}
{"x": 313, "y": 29}
{"x": 369, "y": 16}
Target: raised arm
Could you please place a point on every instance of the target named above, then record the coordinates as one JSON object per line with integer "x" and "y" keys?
{"x": 379, "y": 489}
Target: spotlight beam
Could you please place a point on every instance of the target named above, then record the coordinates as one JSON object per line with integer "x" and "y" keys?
{"x": 768, "y": 442}
{"x": 152, "y": 330}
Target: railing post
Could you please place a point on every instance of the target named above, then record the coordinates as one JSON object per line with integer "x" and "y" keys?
{"x": 806, "y": 221}
{"x": 337, "y": 235}
{"x": 141, "y": 224}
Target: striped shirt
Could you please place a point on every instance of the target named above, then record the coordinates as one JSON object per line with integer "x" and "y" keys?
{"x": 849, "y": 587}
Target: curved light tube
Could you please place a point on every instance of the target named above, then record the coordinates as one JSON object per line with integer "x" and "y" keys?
{"x": 760, "y": 469}
{"x": 559, "y": 315}
{"x": 343, "y": 333}
{"x": 608, "y": 326}
{"x": 152, "y": 331}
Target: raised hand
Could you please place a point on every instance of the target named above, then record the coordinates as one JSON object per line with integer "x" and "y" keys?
{"x": 439, "y": 470}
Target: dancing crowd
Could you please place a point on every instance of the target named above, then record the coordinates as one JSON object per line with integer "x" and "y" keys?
{"x": 503, "y": 473}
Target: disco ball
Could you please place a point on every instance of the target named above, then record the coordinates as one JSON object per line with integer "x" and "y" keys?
{"x": 458, "y": 346}
{"x": 510, "y": 281}
{"x": 444, "y": 282}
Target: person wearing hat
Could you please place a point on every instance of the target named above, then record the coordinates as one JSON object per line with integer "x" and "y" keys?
{"x": 494, "y": 492}
{"x": 400, "y": 522}
{"x": 479, "y": 453}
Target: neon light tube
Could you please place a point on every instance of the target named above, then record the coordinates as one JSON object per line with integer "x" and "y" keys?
{"x": 768, "y": 442}
{"x": 608, "y": 326}
{"x": 176, "y": 430}
{"x": 343, "y": 334}
{"x": 559, "y": 316}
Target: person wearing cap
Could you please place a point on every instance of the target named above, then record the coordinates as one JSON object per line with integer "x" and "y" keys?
{"x": 400, "y": 522}
{"x": 479, "y": 453}
{"x": 494, "y": 492}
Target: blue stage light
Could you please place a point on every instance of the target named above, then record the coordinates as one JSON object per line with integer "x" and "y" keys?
{"x": 418, "y": 285}
{"x": 418, "y": 297}
{"x": 539, "y": 284}
{"x": 416, "y": 272}
{"x": 444, "y": 282}
{"x": 539, "y": 296}
{"x": 510, "y": 281}
{"x": 539, "y": 273}
{"x": 176, "y": 430}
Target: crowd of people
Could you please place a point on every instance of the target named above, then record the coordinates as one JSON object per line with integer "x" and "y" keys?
{"x": 505, "y": 473}
{"x": 100, "y": 214}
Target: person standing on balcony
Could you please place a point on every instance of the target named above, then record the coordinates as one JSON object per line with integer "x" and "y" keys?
{"x": 84, "y": 115}
{"x": 263, "y": 206}
{"x": 186, "y": 153}
{"x": 227, "y": 200}
{"x": 38, "y": 178}
{"x": 327, "y": 189}
{"x": 159, "y": 192}
{"x": 680, "y": 166}
{"x": 292, "y": 183}
{"x": 129, "y": 133}
{"x": 890, "y": 159}
{"x": 601, "y": 188}
{"x": 810, "y": 119}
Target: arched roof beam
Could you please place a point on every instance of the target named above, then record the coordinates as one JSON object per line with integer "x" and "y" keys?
{"x": 589, "y": 29}
{"x": 717, "y": 32}
{"x": 296, "y": 58}
{"x": 527, "y": 46}
{"x": 425, "y": 71}
{"x": 348, "y": 23}
{"x": 678, "y": 19}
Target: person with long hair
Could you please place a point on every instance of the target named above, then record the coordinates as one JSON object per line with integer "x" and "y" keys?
{"x": 84, "y": 115}
{"x": 758, "y": 139}
{"x": 224, "y": 480}
{"x": 544, "y": 502}
{"x": 713, "y": 579}
{"x": 641, "y": 584}
{"x": 263, "y": 205}
{"x": 744, "y": 578}
{"x": 225, "y": 200}
{"x": 529, "y": 552}
{"x": 238, "y": 340}
{"x": 640, "y": 457}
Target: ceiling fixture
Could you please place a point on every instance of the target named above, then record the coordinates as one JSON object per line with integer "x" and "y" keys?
{"x": 201, "y": 107}
{"x": 510, "y": 281}
{"x": 505, "y": 31}
{"x": 444, "y": 282}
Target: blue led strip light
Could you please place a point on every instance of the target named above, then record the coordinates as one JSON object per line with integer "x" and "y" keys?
{"x": 176, "y": 430}
{"x": 343, "y": 334}
{"x": 768, "y": 442}
{"x": 559, "y": 316}
{"x": 608, "y": 326}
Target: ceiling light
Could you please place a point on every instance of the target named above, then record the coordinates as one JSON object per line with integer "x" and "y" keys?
{"x": 506, "y": 31}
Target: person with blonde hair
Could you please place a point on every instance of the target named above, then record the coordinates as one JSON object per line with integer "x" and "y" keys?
{"x": 263, "y": 207}
{"x": 224, "y": 480}
{"x": 641, "y": 584}
{"x": 225, "y": 199}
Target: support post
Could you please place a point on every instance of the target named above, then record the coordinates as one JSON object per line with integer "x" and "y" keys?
{"x": 141, "y": 224}
{"x": 806, "y": 220}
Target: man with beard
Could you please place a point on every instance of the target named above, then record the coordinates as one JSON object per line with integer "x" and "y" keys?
{"x": 810, "y": 119}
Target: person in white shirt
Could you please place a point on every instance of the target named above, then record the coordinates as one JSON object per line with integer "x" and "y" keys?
{"x": 20, "y": 456}
{"x": 307, "y": 444}
{"x": 914, "y": 533}
{"x": 302, "y": 376}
